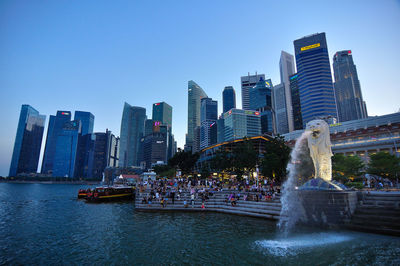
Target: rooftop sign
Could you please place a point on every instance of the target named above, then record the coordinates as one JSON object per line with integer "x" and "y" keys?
{"x": 310, "y": 46}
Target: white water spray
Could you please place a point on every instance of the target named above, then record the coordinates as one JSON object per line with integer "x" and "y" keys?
{"x": 292, "y": 210}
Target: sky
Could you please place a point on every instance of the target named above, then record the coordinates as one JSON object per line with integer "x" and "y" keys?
{"x": 95, "y": 55}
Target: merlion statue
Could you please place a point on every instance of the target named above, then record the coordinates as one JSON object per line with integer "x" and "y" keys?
{"x": 320, "y": 148}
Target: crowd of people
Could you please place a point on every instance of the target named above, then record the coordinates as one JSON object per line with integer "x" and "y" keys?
{"x": 165, "y": 191}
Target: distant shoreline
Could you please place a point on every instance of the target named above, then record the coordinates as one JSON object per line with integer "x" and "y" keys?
{"x": 51, "y": 182}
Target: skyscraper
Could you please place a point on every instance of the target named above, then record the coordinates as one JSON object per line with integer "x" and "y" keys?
{"x": 296, "y": 106}
{"x": 314, "y": 78}
{"x": 248, "y": 82}
{"x": 195, "y": 94}
{"x": 348, "y": 94}
{"x": 280, "y": 107}
{"x": 228, "y": 98}
{"x": 56, "y": 124}
{"x": 132, "y": 130}
{"x": 261, "y": 101}
{"x": 286, "y": 67}
{"x": 241, "y": 123}
{"x": 87, "y": 121}
{"x": 209, "y": 116}
{"x": 162, "y": 112}
{"x": 28, "y": 141}
{"x": 155, "y": 146}
{"x": 65, "y": 157}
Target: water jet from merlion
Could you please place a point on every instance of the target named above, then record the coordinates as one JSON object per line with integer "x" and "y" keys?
{"x": 309, "y": 195}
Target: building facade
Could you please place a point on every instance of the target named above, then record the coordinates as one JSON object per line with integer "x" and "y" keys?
{"x": 162, "y": 112}
{"x": 261, "y": 101}
{"x": 155, "y": 147}
{"x": 286, "y": 67}
{"x": 28, "y": 141}
{"x": 296, "y": 105}
{"x": 132, "y": 131}
{"x": 65, "y": 159}
{"x": 349, "y": 100}
{"x": 228, "y": 99}
{"x": 208, "y": 116}
{"x": 87, "y": 121}
{"x": 317, "y": 96}
{"x": 195, "y": 94}
{"x": 280, "y": 108}
{"x": 241, "y": 123}
{"x": 56, "y": 124}
{"x": 248, "y": 82}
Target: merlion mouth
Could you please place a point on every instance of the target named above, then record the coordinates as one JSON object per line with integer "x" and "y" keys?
{"x": 315, "y": 133}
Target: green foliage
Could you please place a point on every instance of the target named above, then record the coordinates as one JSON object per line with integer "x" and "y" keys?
{"x": 205, "y": 172}
{"x": 346, "y": 167}
{"x": 222, "y": 161}
{"x": 275, "y": 159}
{"x": 185, "y": 161}
{"x": 164, "y": 170}
{"x": 244, "y": 158}
{"x": 358, "y": 185}
{"x": 385, "y": 165}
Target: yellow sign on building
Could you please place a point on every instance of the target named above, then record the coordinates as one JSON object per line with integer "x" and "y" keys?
{"x": 310, "y": 46}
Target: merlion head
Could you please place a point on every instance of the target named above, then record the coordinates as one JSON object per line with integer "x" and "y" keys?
{"x": 319, "y": 132}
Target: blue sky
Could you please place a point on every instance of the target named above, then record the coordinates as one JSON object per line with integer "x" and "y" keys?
{"x": 95, "y": 55}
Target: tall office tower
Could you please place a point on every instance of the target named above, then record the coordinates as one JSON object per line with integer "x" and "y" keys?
{"x": 296, "y": 106}
{"x": 348, "y": 95}
{"x": 56, "y": 124}
{"x": 28, "y": 141}
{"x": 113, "y": 157}
{"x": 84, "y": 156}
{"x": 195, "y": 94}
{"x": 314, "y": 78}
{"x": 66, "y": 151}
{"x": 209, "y": 116}
{"x": 279, "y": 100}
{"x": 87, "y": 121}
{"x": 148, "y": 127}
{"x": 196, "y": 139}
{"x": 132, "y": 130}
{"x": 247, "y": 83}
{"x": 162, "y": 112}
{"x": 221, "y": 129}
{"x": 286, "y": 67}
{"x": 241, "y": 123}
{"x": 261, "y": 101}
{"x": 155, "y": 146}
{"x": 228, "y": 98}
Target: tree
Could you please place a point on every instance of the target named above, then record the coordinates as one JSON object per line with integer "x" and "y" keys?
{"x": 276, "y": 158}
{"x": 385, "y": 165}
{"x": 222, "y": 161}
{"x": 346, "y": 167}
{"x": 164, "y": 170}
{"x": 184, "y": 160}
{"x": 244, "y": 158}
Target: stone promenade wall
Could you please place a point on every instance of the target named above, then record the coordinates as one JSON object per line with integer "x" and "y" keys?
{"x": 216, "y": 203}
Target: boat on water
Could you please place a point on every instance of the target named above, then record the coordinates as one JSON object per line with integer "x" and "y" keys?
{"x": 82, "y": 193}
{"x": 113, "y": 193}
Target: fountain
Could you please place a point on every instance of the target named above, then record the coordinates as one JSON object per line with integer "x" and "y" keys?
{"x": 309, "y": 195}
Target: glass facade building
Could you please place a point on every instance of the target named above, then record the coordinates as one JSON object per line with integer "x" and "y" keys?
{"x": 241, "y": 123}
{"x": 195, "y": 94}
{"x": 228, "y": 98}
{"x": 132, "y": 131}
{"x": 314, "y": 78}
{"x": 209, "y": 116}
{"x": 280, "y": 107}
{"x": 296, "y": 106}
{"x": 87, "y": 121}
{"x": 162, "y": 112}
{"x": 349, "y": 100}
{"x": 286, "y": 67}
{"x": 261, "y": 101}
{"x": 248, "y": 82}
{"x": 28, "y": 141}
{"x": 67, "y": 148}
{"x": 54, "y": 129}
